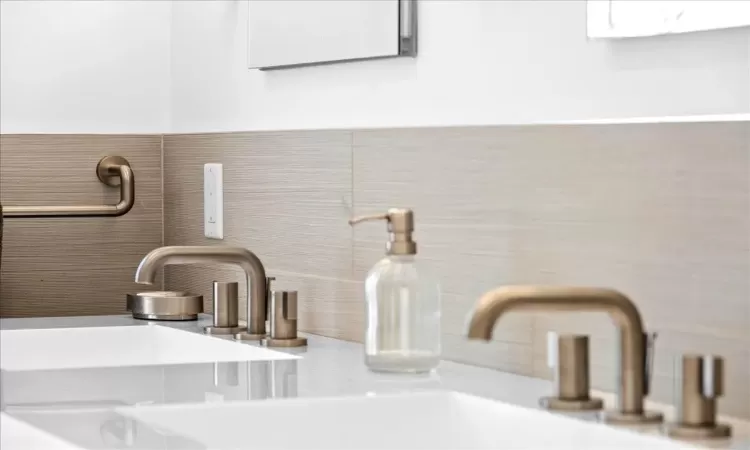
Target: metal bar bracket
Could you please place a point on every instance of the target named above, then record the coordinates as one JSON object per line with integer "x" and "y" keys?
{"x": 111, "y": 170}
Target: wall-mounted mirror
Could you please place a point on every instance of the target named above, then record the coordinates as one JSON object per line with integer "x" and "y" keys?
{"x": 292, "y": 33}
{"x": 627, "y": 18}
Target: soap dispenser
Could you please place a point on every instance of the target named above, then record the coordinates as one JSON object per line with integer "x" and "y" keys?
{"x": 403, "y": 304}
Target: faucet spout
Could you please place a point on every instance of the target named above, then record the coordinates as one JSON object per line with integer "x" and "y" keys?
{"x": 254, "y": 271}
{"x": 623, "y": 312}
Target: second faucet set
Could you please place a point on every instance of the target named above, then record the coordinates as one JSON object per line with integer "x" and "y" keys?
{"x": 403, "y": 322}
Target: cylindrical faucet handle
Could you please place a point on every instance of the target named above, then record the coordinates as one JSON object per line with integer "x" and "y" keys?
{"x": 283, "y": 318}
{"x": 226, "y": 309}
{"x": 289, "y": 307}
{"x": 701, "y": 384}
{"x": 568, "y": 356}
{"x": 702, "y": 379}
{"x": 283, "y": 324}
{"x": 226, "y": 304}
{"x": 573, "y": 367}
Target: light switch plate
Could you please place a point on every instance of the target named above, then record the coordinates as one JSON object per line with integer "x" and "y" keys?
{"x": 213, "y": 201}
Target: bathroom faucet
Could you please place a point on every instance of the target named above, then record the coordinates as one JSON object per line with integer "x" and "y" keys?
{"x": 254, "y": 270}
{"x": 633, "y": 377}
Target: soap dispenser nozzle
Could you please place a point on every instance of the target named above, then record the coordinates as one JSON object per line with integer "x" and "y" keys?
{"x": 400, "y": 228}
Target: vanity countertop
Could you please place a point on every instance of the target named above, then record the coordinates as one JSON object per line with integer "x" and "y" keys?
{"x": 77, "y": 405}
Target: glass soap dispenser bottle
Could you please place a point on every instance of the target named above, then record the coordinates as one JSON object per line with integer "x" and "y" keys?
{"x": 403, "y": 304}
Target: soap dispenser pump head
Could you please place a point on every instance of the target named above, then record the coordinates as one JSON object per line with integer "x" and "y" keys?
{"x": 400, "y": 228}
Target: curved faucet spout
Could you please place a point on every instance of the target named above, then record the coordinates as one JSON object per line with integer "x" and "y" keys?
{"x": 632, "y": 380}
{"x": 494, "y": 304}
{"x": 250, "y": 263}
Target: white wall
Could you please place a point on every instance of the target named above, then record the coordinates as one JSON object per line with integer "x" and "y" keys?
{"x": 127, "y": 66}
{"x": 84, "y": 67}
{"x": 480, "y": 62}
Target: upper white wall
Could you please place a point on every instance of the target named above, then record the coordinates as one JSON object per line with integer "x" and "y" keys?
{"x": 126, "y": 66}
{"x": 84, "y": 66}
{"x": 480, "y": 62}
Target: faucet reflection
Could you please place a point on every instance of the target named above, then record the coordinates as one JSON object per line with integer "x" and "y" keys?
{"x": 283, "y": 378}
{"x": 227, "y": 374}
{"x": 632, "y": 383}
{"x": 258, "y": 373}
{"x": 272, "y": 379}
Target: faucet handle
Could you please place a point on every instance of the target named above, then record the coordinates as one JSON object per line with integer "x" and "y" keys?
{"x": 568, "y": 356}
{"x": 289, "y": 308}
{"x": 283, "y": 318}
{"x": 226, "y": 309}
{"x": 702, "y": 379}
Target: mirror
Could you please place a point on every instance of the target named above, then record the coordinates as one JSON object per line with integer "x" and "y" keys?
{"x": 626, "y": 18}
{"x": 293, "y": 33}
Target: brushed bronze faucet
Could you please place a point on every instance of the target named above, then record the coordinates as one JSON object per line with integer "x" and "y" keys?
{"x": 254, "y": 271}
{"x": 632, "y": 383}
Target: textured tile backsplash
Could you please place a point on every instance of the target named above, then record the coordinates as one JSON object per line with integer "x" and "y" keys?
{"x": 74, "y": 266}
{"x": 658, "y": 211}
{"x": 285, "y": 198}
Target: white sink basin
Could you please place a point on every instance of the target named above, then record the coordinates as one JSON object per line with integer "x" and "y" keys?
{"x": 75, "y": 348}
{"x": 428, "y": 420}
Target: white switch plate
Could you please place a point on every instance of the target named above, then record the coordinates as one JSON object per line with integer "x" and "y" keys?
{"x": 213, "y": 201}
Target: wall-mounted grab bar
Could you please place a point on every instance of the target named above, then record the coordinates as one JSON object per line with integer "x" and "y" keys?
{"x": 111, "y": 170}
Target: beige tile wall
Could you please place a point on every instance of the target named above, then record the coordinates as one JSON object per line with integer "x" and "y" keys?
{"x": 285, "y": 197}
{"x": 77, "y": 266}
{"x": 659, "y": 211}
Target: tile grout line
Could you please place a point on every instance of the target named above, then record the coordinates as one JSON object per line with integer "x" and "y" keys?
{"x": 352, "y": 207}
{"x": 163, "y": 224}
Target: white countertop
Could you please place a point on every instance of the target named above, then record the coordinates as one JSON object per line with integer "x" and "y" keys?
{"x": 77, "y": 405}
